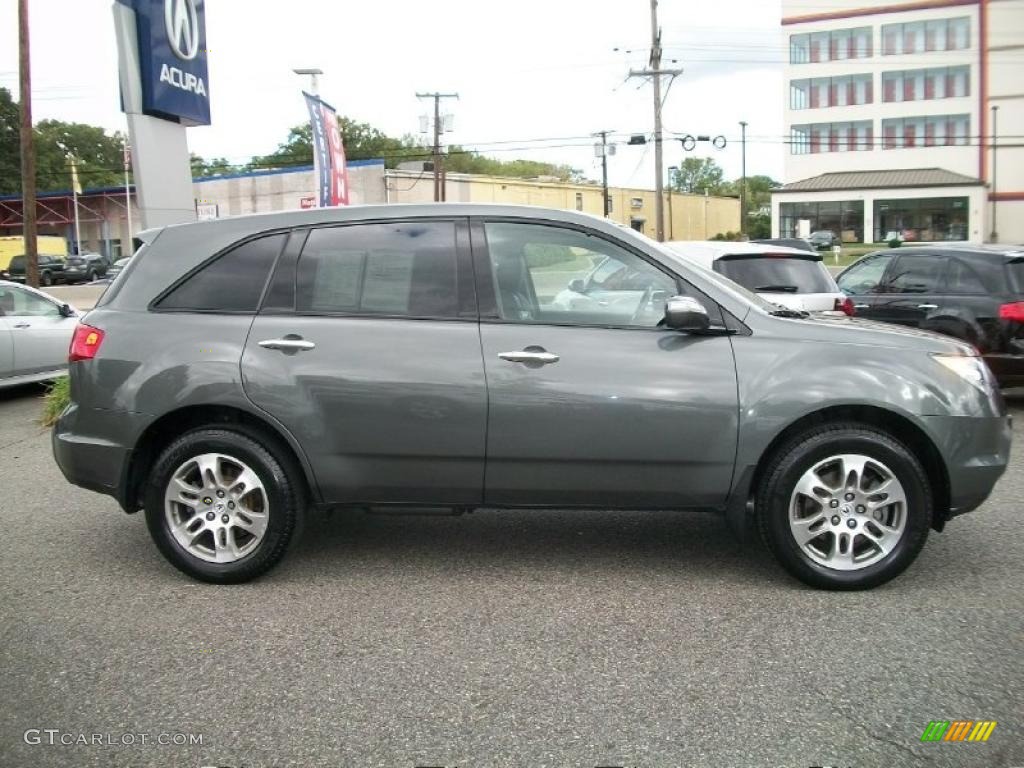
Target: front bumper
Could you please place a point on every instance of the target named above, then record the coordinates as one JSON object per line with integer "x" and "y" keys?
{"x": 976, "y": 451}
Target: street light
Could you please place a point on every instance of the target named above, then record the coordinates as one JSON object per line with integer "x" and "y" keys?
{"x": 313, "y": 75}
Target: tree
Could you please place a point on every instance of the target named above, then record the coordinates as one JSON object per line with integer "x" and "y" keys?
{"x": 698, "y": 175}
{"x": 10, "y": 147}
{"x": 218, "y": 166}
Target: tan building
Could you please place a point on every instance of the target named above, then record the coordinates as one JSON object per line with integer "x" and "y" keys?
{"x": 692, "y": 217}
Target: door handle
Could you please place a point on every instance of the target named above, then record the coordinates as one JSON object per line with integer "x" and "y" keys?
{"x": 927, "y": 306}
{"x": 288, "y": 344}
{"x": 23, "y": 324}
{"x": 530, "y": 356}
{"x": 861, "y": 306}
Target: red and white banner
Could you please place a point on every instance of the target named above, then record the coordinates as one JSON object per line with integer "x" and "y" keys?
{"x": 328, "y": 153}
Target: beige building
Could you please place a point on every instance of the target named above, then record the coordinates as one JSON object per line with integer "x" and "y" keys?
{"x": 885, "y": 91}
{"x": 689, "y": 217}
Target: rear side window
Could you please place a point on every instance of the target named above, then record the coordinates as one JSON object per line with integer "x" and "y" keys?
{"x": 402, "y": 268}
{"x": 917, "y": 273}
{"x": 777, "y": 274}
{"x": 1016, "y": 270}
{"x": 962, "y": 278}
{"x": 232, "y": 283}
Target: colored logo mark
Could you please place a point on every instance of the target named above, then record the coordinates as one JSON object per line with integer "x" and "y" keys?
{"x": 958, "y": 730}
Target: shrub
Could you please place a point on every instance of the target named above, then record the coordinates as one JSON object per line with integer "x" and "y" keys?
{"x": 895, "y": 243}
{"x": 55, "y": 400}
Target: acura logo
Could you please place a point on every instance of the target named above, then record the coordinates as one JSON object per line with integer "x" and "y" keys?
{"x": 182, "y": 22}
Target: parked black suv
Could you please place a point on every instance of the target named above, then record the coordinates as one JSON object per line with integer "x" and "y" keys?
{"x": 975, "y": 293}
{"x": 51, "y": 269}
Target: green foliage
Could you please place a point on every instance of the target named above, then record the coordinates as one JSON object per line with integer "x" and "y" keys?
{"x": 218, "y": 166}
{"x": 759, "y": 227}
{"x": 697, "y": 175}
{"x": 895, "y": 242}
{"x": 99, "y": 153}
{"x": 729, "y": 236}
{"x": 55, "y": 401}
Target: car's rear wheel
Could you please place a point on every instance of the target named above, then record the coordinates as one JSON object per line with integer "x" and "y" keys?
{"x": 90, "y": 276}
{"x": 46, "y": 279}
{"x": 222, "y": 506}
{"x": 844, "y": 506}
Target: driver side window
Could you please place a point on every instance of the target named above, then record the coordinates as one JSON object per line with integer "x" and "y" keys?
{"x": 547, "y": 274}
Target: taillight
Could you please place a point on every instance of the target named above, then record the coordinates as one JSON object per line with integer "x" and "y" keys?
{"x": 845, "y": 306}
{"x": 1014, "y": 311}
{"x": 85, "y": 343}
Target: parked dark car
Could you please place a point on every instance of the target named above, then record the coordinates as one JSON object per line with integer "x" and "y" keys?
{"x": 239, "y": 371}
{"x": 117, "y": 266}
{"x": 85, "y": 267}
{"x": 823, "y": 239}
{"x": 51, "y": 269}
{"x": 798, "y": 243}
{"x": 973, "y": 293}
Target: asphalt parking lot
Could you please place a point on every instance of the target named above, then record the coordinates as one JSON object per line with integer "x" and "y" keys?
{"x": 495, "y": 639}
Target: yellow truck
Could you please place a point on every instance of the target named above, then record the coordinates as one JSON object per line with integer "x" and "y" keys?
{"x": 49, "y": 245}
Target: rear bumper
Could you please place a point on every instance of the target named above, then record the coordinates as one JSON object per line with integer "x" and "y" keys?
{"x": 1008, "y": 369}
{"x": 87, "y": 453}
{"x": 977, "y": 451}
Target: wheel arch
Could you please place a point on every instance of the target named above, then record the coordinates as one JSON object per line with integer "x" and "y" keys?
{"x": 885, "y": 420}
{"x": 172, "y": 425}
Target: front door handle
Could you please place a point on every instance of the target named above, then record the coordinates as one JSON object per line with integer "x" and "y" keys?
{"x": 539, "y": 356}
{"x": 927, "y": 306}
{"x": 861, "y": 306}
{"x": 288, "y": 344}
{"x": 23, "y": 324}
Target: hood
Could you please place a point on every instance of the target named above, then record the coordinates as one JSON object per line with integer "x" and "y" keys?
{"x": 851, "y": 330}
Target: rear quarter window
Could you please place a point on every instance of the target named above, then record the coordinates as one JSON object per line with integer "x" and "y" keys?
{"x": 1015, "y": 271}
{"x": 233, "y": 282}
{"x": 777, "y": 274}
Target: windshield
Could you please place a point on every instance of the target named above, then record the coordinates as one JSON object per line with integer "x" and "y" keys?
{"x": 777, "y": 274}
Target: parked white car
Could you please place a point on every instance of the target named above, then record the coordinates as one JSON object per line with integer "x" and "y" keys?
{"x": 786, "y": 276}
{"x": 35, "y": 332}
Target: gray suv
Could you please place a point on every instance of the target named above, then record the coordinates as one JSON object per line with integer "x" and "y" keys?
{"x": 240, "y": 372}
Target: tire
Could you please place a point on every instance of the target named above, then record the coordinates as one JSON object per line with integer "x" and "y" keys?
{"x": 90, "y": 277}
{"x": 811, "y": 460}
{"x": 281, "y": 497}
{"x": 46, "y": 279}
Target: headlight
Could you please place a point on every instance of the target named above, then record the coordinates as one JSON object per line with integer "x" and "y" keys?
{"x": 969, "y": 368}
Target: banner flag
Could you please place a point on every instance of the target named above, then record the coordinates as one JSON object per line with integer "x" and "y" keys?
{"x": 328, "y": 153}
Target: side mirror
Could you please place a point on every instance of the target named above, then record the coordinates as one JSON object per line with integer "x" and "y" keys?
{"x": 683, "y": 313}
{"x": 577, "y": 285}
{"x": 66, "y": 310}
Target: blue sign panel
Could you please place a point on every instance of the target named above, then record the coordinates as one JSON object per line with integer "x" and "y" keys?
{"x": 172, "y": 58}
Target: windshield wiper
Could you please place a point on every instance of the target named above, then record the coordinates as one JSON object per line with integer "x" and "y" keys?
{"x": 797, "y": 314}
{"x": 777, "y": 288}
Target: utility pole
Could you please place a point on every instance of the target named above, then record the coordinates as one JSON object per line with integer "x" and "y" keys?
{"x": 602, "y": 148}
{"x": 655, "y": 72}
{"x": 439, "y": 191}
{"x": 994, "y": 236}
{"x": 28, "y": 151}
{"x": 672, "y": 170}
{"x": 743, "y": 177}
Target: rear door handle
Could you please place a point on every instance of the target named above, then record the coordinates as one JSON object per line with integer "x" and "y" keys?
{"x": 530, "y": 356}
{"x": 861, "y": 306}
{"x": 23, "y": 324}
{"x": 927, "y": 306}
{"x": 288, "y": 344}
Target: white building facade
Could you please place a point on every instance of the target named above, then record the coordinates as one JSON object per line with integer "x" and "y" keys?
{"x": 874, "y": 88}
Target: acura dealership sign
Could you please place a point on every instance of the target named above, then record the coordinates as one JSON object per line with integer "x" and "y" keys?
{"x": 172, "y": 59}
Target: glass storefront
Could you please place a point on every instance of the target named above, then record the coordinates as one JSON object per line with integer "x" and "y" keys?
{"x": 845, "y": 219}
{"x": 921, "y": 220}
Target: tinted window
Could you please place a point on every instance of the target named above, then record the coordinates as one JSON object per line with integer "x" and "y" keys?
{"x": 917, "y": 273}
{"x": 777, "y": 274}
{"x": 1016, "y": 270}
{"x": 961, "y": 278}
{"x": 546, "y": 274}
{"x": 403, "y": 268}
{"x": 232, "y": 283}
{"x": 864, "y": 276}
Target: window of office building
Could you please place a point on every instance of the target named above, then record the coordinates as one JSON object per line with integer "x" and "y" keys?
{"x": 926, "y": 36}
{"x": 926, "y": 131}
{"x": 845, "y": 219}
{"x": 831, "y": 137}
{"x": 921, "y": 220}
{"x": 838, "y": 45}
{"x": 926, "y": 84}
{"x": 830, "y": 92}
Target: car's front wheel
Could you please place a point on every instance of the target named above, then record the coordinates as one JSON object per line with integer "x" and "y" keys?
{"x": 46, "y": 279}
{"x": 845, "y": 506}
{"x": 222, "y": 506}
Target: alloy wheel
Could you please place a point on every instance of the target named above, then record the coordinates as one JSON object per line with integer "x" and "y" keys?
{"x": 216, "y": 508}
{"x": 847, "y": 512}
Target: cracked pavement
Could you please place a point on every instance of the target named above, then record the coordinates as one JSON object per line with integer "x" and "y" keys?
{"x": 496, "y": 639}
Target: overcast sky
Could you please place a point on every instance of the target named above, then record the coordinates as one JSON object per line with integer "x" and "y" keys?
{"x": 524, "y": 70}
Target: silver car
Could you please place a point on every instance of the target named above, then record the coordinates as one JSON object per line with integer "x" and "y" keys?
{"x": 239, "y": 372}
{"x": 35, "y": 332}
